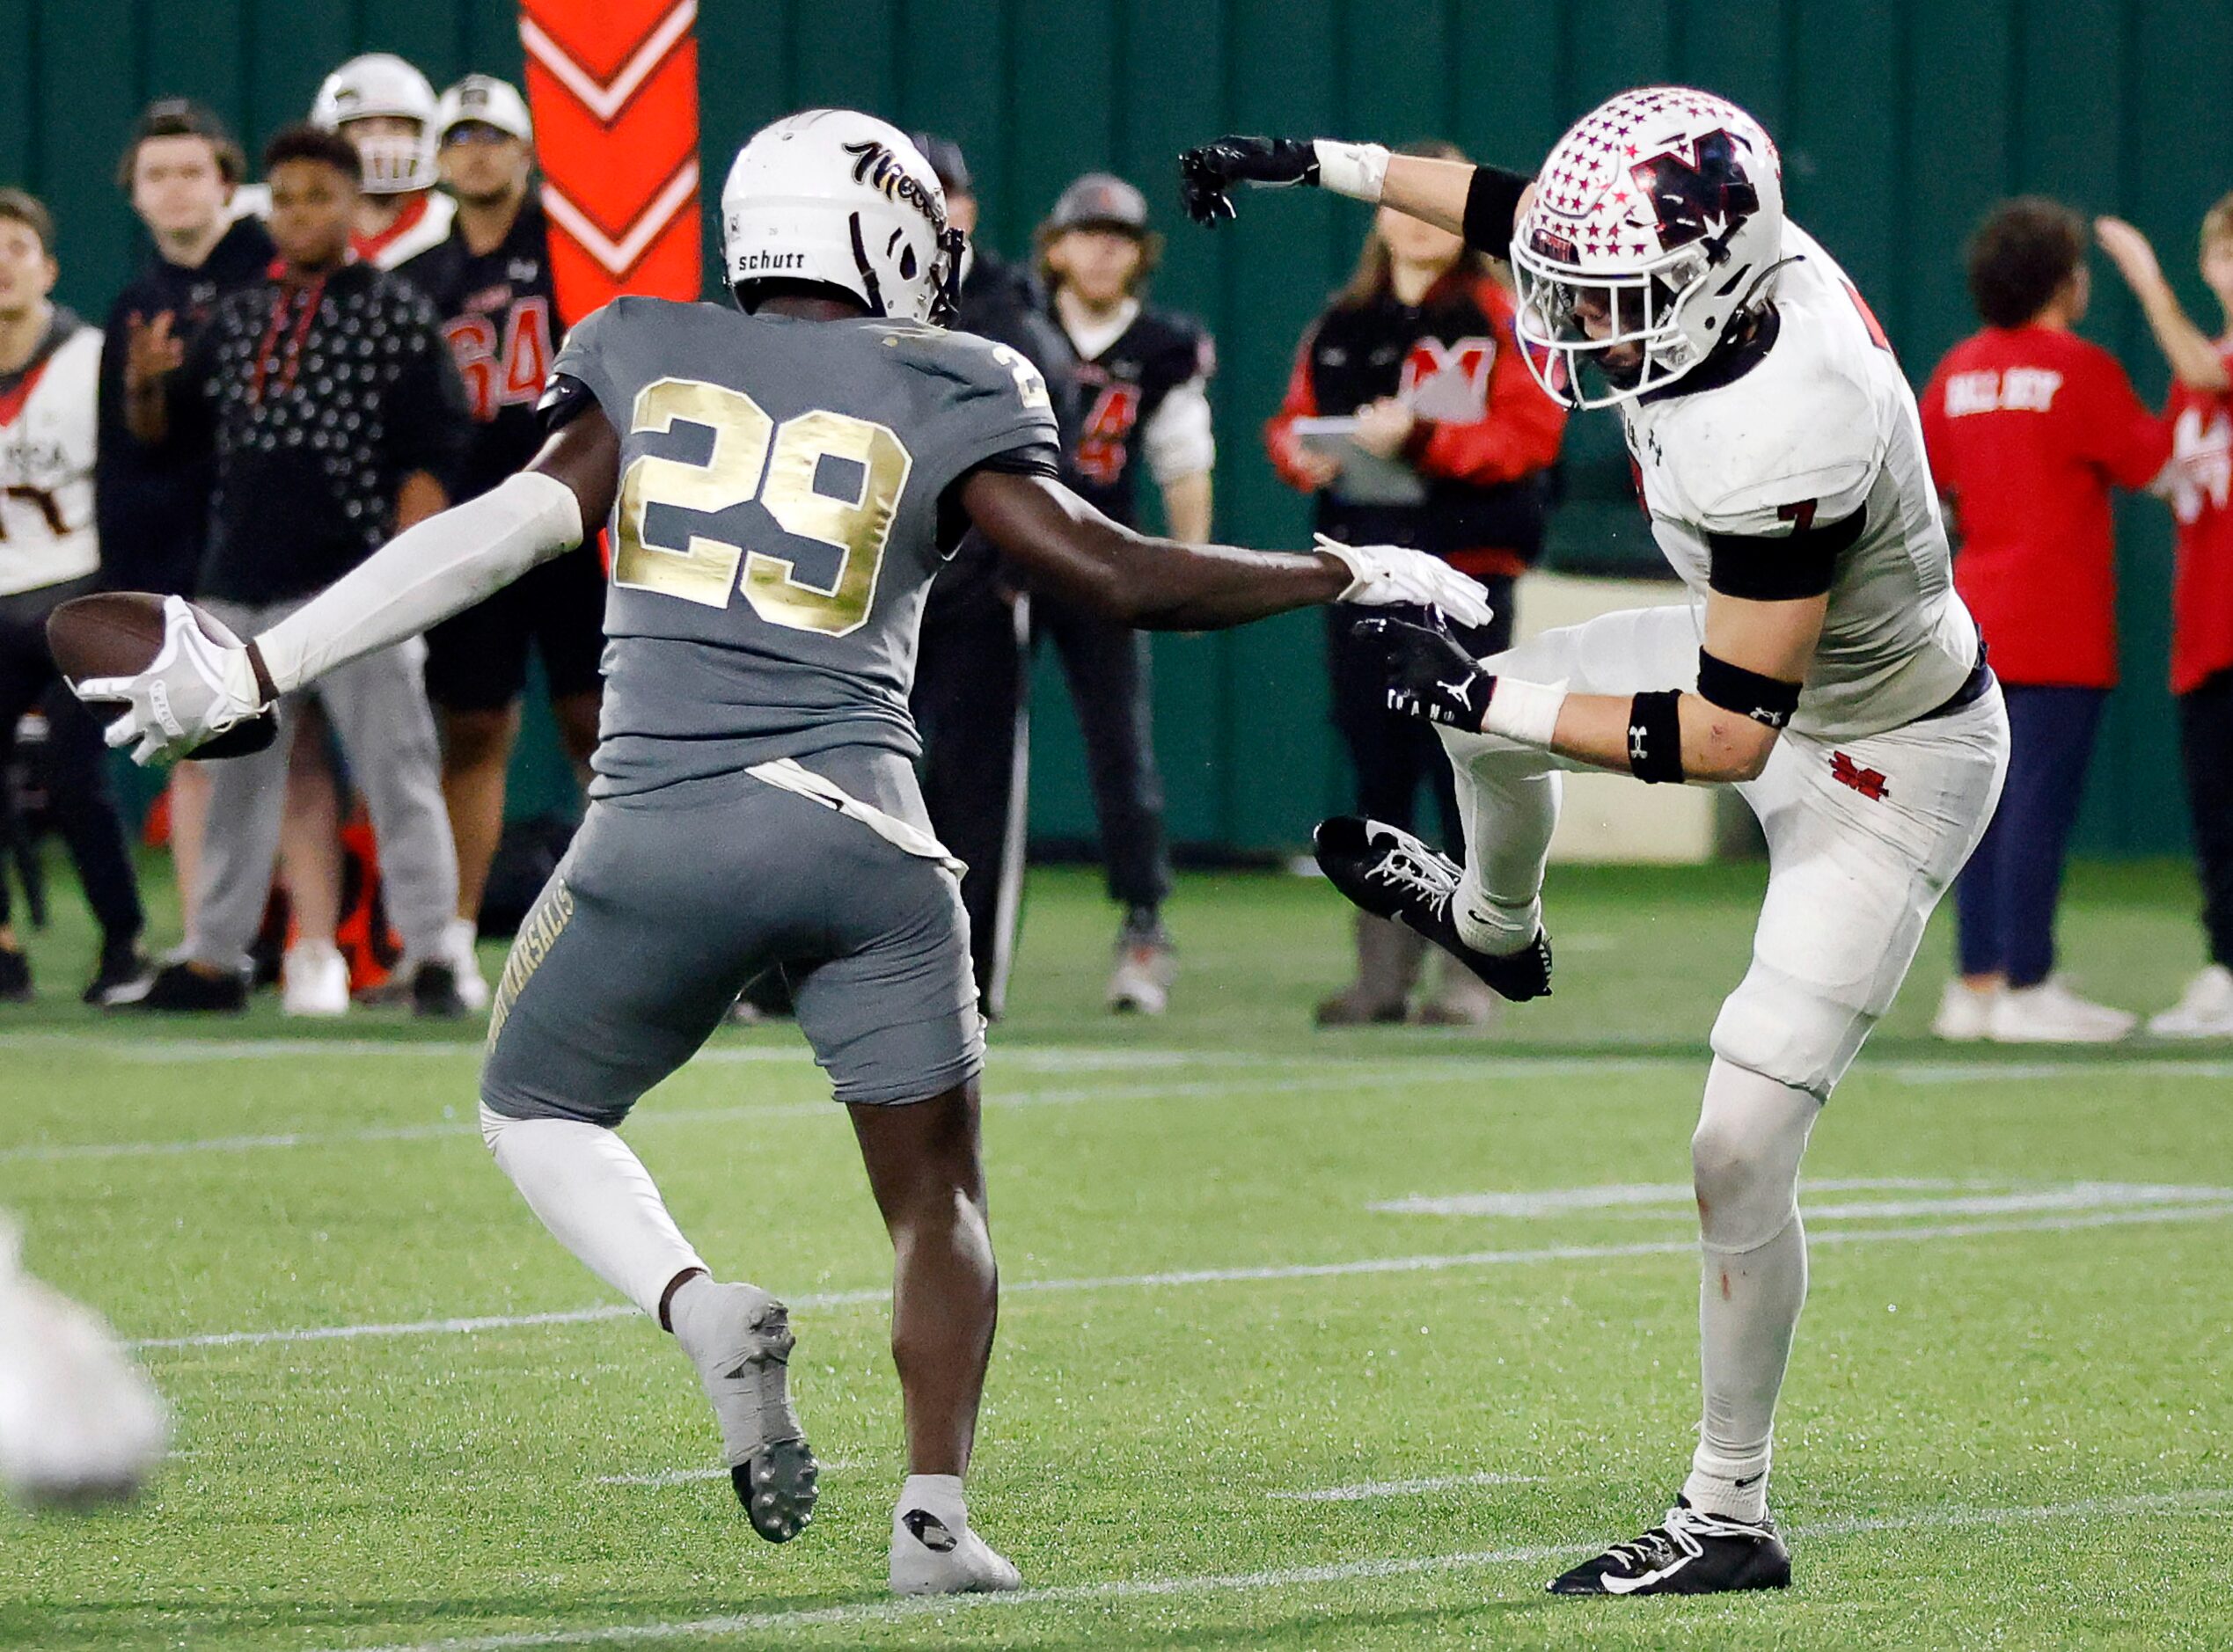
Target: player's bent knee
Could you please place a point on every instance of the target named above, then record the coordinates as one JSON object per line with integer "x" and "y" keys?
{"x": 1746, "y": 1183}
{"x": 1790, "y": 1031}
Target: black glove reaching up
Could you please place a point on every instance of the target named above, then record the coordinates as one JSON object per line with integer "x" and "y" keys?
{"x": 1429, "y": 676}
{"x": 1207, "y": 175}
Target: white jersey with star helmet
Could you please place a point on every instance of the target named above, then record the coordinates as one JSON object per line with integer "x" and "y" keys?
{"x": 1822, "y": 425}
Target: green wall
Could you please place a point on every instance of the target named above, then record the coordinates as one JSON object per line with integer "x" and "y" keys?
{"x": 1900, "y": 124}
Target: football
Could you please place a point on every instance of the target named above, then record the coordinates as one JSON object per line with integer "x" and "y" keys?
{"x": 118, "y": 633}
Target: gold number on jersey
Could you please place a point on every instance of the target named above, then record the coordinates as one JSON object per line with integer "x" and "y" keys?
{"x": 1030, "y": 385}
{"x": 754, "y": 456}
{"x": 705, "y": 570}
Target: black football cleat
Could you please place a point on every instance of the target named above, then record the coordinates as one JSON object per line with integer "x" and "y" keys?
{"x": 1392, "y": 875}
{"x": 15, "y": 977}
{"x": 180, "y": 989}
{"x": 123, "y": 968}
{"x": 1692, "y": 1552}
{"x": 434, "y": 993}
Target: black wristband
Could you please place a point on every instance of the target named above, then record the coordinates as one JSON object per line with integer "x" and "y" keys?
{"x": 1655, "y": 737}
{"x": 1765, "y": 699}
{"x": 1491, "y": 199}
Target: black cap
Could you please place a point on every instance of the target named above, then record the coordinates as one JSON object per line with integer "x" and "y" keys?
{"x": 947, "y": 160}
{"x": 1101, "y": 200}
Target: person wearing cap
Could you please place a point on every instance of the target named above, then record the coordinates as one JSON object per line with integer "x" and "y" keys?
{"x": 1142, "y": 374}
{"x": 386, "y": 109}
{"x": 973, "y": 667}
{"x": 490, "y": 283}
{"x": 182, "y": 171}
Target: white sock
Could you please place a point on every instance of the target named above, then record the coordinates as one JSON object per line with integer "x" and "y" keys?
{"x": 938, "y": 1495}
{"x": 1745, "y": 1158}
{"x": 1509, "y": 801}
{"x": 596, "y": 1198}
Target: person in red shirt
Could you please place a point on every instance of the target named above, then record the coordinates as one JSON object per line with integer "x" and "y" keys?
{"x": 2200, "y": 483}
{"x": 1418, "y": 349}
{"x": 2029, "y": 426}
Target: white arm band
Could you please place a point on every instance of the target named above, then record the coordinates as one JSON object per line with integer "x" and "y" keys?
{"x": 421, "y": 577}
{"x": 1525, "y": 712}
{"x": 1355, "y": 169}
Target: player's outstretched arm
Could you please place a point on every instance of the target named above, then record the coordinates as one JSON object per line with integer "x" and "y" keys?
{"x": 1749, "y": 675}
{"x": 2194, "y": 359}
{"x": 1479, "y": 202}
{"x": 451, "y": 560}
{"x": 198, "y": 686}
{"x": 1069, "y": 548}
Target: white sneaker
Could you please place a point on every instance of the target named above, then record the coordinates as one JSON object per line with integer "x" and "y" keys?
{"x": 2205, "y": 1011}
{"x": 457, "y": 951}
{"x": 2051, "y": 1014}
{"x": 928, "y": 1557}
{"x": 313, "y": 980}
{"x": 1965, "y": 1012}
{"x": 1146, "y": 964}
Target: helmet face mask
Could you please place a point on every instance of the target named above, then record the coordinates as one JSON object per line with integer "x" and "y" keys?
{"x": 397, "y": 159}
{"x": 1650, "y": 237}
{"x": 1595, "y": 340}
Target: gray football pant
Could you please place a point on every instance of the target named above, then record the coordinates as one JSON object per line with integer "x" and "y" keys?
{"x": 378, "y": 706}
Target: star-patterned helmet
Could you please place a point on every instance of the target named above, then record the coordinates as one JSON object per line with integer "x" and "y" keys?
{"x": 1655, "y": 226}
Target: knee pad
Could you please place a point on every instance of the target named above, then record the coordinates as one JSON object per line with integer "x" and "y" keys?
{"x": 1790, "y": 1031}
{"x": 1745, "y": 1156}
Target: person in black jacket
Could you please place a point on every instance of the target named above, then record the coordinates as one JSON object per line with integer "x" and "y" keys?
{"x": 490, "y": 281}
{"x": 337, "y": 419}
{"x": 973, "y": 672}
{"x": 181, "y": 170}
{"x": 1143, "y": 376}
{"x": 1418, "y": 350}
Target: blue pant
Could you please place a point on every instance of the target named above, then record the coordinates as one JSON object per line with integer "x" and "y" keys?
{"x": 2004, "y": 901}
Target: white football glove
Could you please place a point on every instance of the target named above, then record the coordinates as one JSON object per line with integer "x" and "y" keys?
{"x": 1388, "y": 576}
{"x": 193, "y": 691}
{"x": 78, "y": 1420}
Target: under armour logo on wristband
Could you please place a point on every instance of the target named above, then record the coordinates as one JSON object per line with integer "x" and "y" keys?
{"x": 1636, "y": 742}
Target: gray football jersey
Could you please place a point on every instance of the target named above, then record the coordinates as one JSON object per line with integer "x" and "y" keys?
{"x": 776, "y": 522}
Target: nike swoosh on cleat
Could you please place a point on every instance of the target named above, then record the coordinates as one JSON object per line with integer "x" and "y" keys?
{"x": 1630, "y": 1585}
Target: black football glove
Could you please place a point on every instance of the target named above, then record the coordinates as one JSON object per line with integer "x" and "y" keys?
{"x": 1429, "y": 676}
{"x": 1207, "y": 175}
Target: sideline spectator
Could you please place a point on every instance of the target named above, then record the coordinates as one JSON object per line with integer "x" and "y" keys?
{"x": 973, "y": 662}
{"x": 50, "y": 553}
{"x": 386, "y": 109}
{"x": 2029, "y": 426}
{"x": 181, "y": 171}
{"x": 1419, "y": 348}
{"x": 335, "y": 413}
{"x": 490, "y": 283}
{"x": 1143, "y": 376}
{"x": 2200, "y": 486}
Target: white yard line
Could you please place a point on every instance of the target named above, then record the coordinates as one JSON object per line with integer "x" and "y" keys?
{"x": 1373, "y": 1490}
{"x": 693, "y": 1476}
{"x": 2167, "y": 1503}
{"x": 1363, "y": 1267}
{"x": 1325, "y": 1075}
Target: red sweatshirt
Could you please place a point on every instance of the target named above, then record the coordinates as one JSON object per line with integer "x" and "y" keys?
{"x": 2201, "y": 426}
{"x": 2028, "y": 428}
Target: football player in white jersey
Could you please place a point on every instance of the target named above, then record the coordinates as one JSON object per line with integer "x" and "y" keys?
{"x": 1822, "y": 665}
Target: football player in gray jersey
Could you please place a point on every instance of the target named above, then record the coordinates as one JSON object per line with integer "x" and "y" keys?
{"x": 781, "y": 480}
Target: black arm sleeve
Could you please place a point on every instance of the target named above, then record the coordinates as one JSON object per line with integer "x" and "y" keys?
{"x": 1785, "y": 568}
{"x": 1490, "y": 203}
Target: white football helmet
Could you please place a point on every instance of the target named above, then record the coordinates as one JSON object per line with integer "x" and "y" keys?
{"x": 836, "y": 196}
{"x": 488, "y": 101}
{"x": 382, "y": 83}
{"x": 1656, "y": 226}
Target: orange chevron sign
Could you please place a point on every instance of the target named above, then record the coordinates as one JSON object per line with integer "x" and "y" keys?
{"x": 613, "y": 86}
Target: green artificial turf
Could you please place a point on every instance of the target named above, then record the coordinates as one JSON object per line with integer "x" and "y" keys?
{"x": 2006, "y": 1423}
